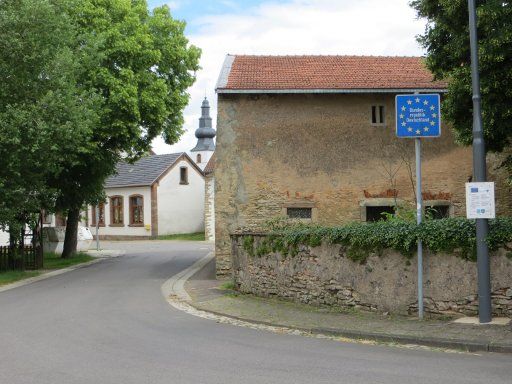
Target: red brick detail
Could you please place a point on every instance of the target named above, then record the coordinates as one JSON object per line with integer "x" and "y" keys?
{"x": 386, "y": 193}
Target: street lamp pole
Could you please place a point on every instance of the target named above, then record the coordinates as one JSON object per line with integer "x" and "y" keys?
{"x": 479, "y": 173}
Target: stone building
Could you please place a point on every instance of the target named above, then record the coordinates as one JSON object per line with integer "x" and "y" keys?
{"x": 209, "y": 199}
{"x": 313, "y": 137}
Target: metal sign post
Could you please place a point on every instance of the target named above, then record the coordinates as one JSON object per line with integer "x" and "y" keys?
{"x": 418, "y": 116}
{"x": 419, "y": 215}
{"x": 479, "y": 173}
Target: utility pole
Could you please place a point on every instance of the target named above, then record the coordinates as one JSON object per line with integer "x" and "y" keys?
{"x": 479, "y": 174}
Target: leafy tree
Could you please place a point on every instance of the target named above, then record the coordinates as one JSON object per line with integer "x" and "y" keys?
{"x": 43, "y": 113}
{"x": 140, "y": 64}
{"x": 446, "y": 39}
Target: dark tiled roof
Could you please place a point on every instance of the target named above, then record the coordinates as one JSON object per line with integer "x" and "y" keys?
{"x": 143, "y": 172}
{"x": 210, "y": 166}
{"x": 325, "y": 73}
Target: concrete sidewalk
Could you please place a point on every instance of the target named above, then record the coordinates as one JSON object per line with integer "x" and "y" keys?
{"x": 209, "y": 296}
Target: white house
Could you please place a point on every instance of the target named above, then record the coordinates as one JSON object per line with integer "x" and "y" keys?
{"x": 157, "y": 195}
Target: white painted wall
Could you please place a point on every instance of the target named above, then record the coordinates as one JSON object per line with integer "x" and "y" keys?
{"x": 181, "y": 207}
{"x": 126, "y": 229}
{"x": 205, "y": 157}
{"x": 4, "y": 238}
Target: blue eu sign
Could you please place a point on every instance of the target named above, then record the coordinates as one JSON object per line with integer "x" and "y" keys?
{"x": 418, "y": 115}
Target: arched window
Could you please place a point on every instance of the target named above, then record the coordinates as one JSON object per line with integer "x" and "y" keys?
{"x": 136, "y": 210}
{"x": 198, "y": 158}
{"x": 116, "y": 210}
{"x": 101, "y": 221}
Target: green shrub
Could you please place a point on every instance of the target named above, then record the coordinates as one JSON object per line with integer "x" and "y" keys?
{"x": 451, "y": 235}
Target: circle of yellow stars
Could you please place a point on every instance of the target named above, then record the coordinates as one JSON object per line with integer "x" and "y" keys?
{"x": 426, "y": 128}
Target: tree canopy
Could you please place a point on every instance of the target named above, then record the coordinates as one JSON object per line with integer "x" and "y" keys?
{"x": 87, "y": 83}
{"x": 43, "y": 110}
{"x": 446, "y": 39}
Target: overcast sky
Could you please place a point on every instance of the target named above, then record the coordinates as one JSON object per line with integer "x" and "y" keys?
{"x": 286, "y": 27}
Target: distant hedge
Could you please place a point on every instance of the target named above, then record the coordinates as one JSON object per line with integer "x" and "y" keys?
{"x": 452, "y": 235}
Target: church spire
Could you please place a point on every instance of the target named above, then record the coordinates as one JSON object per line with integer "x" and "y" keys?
{"x": 205, "y": 133}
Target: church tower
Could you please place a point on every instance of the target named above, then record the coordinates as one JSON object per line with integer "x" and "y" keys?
{"x": 205, "y": 146}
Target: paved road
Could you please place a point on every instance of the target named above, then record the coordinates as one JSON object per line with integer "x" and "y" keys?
{"x": 108, "y": 323}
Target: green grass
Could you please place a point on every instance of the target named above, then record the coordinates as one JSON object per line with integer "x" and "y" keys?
{"x": 54, "y": 261}
{"x": 199, "y": 236}
{"x": 12, "y": 276}
{"x": 51, "y": 261}
{"x": 228, "y": 285}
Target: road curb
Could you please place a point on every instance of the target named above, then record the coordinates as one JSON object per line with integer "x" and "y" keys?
{"x": 174, "y": 291}
{"x": 47, "y": 275}
{"x": 175, "y": 286}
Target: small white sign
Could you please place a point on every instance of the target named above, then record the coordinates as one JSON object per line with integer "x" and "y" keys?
{"x": 480, "y": 201}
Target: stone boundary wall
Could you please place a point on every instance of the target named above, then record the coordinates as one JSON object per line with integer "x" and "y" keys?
{"x": 387, "y": 283}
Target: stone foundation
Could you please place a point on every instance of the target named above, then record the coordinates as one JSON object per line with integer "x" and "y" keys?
{"x": 386, "y": 283}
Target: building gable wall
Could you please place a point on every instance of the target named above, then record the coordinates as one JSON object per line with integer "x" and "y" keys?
{"x": 322, "y": 151}
{"x": 181, "y": 206}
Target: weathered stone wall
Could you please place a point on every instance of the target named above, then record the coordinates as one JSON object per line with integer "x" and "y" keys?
{"x": 324, "y": 275}
{"x": 322, "y": 150}
{"x": 209, "y": 204}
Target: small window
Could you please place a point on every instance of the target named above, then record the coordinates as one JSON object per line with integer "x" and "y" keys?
{"x": 183, "y": 175}
{"x": 299, "y": 213}
{"x": 378, "y": 115}
{"x": 136, "y": 210}
{"x": 47, "y": 217}
{"x": 437, "y": 212}
{"x": 116, "y": 210}
{"x": 378, "y": 213}
{"x": 101, "y": 222}
{"x": 198, "y": 158}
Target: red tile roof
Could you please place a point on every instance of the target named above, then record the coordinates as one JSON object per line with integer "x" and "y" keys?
{"x": 326, "y": 73}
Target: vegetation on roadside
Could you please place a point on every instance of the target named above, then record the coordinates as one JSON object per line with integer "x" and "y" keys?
{"x": 12, "y": 276}
{"x": 360, "y": 240}
{"x": 198, "y": 236}
{"x": 52, "y": 261}
{"x": 228, "y": 285}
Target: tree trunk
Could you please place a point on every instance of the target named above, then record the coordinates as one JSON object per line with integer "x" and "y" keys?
{"x": 71, "y": 239}
{"x": 12, "y": 250}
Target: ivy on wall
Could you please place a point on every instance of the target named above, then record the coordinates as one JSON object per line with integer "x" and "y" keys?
{"x": 451, "y": 236}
